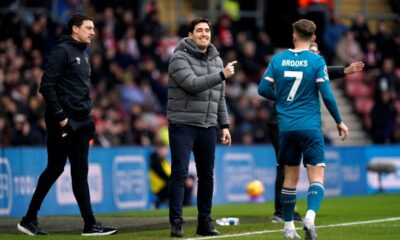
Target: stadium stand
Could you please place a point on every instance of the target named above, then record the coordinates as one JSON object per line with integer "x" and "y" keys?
{"x": 129, "y": 61}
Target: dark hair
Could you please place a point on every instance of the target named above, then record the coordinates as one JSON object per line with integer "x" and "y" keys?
{"x": 304, "y": 28}
{"x": 196, "y": 21}
{"x": 77, "y": 20}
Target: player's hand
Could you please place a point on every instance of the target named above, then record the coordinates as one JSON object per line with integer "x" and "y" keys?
{"x": 343, "y": 130}
{"x": 226, "y": 137}
{"x": 354, "y": 67}
{"x": 229, "y": 69}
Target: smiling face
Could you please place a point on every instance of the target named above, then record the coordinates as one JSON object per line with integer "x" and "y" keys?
{"x": 85, "y": 33}
{"x": 201, "y": 36}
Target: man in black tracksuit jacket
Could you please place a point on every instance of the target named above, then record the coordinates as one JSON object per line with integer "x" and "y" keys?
{"x": 334, "y": 72}
{"x": 65, "y": 88}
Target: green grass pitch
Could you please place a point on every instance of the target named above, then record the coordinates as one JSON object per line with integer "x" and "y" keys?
{"x": 362, "y": 217}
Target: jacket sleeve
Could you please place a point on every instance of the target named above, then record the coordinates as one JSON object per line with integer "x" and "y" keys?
{"x": 223, "y": 116}
{"x": 181, "y": 71}
{"x": 335, "y": 72}
{"x": 52, "y": 73}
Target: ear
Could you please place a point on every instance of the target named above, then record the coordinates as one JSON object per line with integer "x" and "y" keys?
{"x": 190, "y": 35}
{"x": 313, "y": 38}
{"x": 75, "y": 29}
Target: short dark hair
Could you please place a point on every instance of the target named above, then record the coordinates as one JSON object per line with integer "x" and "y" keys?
{"x": 196, "y": 21}
{"x": 304, "y": 28}
{"x": 77, "y": 20}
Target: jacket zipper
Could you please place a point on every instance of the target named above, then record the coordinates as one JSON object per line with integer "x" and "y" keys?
{"x": 209, "y": 97}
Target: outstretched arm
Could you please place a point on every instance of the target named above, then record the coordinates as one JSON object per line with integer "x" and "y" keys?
{"x": 335, "y": 72}
{"x": 354, "y": 67}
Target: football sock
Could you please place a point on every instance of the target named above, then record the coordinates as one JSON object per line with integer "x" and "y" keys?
{"x": 288, "y": 203}
{"x": 315, "y": 195}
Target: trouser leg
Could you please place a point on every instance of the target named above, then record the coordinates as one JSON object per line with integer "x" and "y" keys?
{"x": 57, "y": 156}
{"x": 181, "y": 139}
{"x": 204, "y": 155}
{"x": 78, "y": 157}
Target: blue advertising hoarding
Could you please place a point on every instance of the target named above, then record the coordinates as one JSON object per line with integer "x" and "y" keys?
{"x": 118, "y": 177}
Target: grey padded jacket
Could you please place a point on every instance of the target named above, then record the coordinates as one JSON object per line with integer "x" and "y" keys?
{"x": 196, "y": 89}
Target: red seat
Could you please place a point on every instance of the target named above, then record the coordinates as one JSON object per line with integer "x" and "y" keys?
{"x": 397, "y": 104}
{"x": 355, "y": 77}
{"x": 364, "y": 105}
{"x": 350, "y": 89}
{"x": 358, "y": 89}
{"x": 363, "y": 91}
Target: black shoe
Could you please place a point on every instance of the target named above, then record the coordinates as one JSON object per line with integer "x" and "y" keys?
{"x": 297, "y": 217}
{"x": 30, "y": 227}
{"x": 177, "y": 228}
{"x": 207, "y": 229}
{"x": 98, "y": 230}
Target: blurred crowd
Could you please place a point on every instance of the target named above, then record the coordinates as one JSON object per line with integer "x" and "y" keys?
{"x": 129, "y": 60}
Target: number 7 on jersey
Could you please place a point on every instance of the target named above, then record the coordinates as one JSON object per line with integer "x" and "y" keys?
{"x": 298, "y": 77}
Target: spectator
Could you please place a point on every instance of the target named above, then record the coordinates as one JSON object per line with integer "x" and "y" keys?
{"x": 372, "y": 56}
{"x": 225, "y": 33}
{"x": 26, "y": 40}
{"x": 332, "y": 34}
{"x": 249, "y": 62}
{"x": 361, "y": 31}
{"x": 348, "y": 50}
{"x": 264, "y": 47}
{"x": 5, "y": 139}
{"x": 387, "y": 80}
{"x": 382, "y": 39}
{"x": 383, "y": 117}
{"x": 160, "y": 170}
{"x": 22, "y": 133}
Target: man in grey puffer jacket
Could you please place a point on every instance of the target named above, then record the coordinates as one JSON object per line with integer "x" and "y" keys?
{"x": 196, "y": 108}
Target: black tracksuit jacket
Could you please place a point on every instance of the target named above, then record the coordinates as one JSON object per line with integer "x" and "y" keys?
{"x": 66, "y": 81}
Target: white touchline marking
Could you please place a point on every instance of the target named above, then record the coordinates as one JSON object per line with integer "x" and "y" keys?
{"x": 280, "y": 230}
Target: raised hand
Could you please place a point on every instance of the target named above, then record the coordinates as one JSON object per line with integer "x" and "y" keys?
{"x": 229, "y": 69}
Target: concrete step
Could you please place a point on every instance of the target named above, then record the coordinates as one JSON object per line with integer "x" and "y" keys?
{"x": 348, "y": 6}
{"x": 358, "y": 135}
{"x": 352, "y": 134}
{"x": 355, "y": 6}
{"x": 344, "y": 109}
{"x": 350, "y": 142}
{"x": 352, "y": 127}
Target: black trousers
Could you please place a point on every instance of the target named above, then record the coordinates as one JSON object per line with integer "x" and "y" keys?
{"x": 75, "y": 147}
{"x": 280, "y": 174}
{"x": 202, "y": 141}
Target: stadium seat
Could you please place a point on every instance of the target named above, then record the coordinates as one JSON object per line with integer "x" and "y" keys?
{"x": 397, "y": 104}
{"x": 355, "y": 77}
{"x": 364, "y": 105}
{"x": 357, "y": 90}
